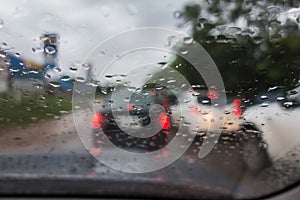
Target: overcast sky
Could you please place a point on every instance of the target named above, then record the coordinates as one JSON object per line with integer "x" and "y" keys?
{"x": 80, "y": 24}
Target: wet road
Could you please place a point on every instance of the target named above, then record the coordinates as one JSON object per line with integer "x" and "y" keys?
{"x": 52, "y": 149}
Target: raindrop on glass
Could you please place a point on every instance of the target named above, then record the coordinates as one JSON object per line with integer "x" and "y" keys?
{"x": 265, "y": 104}
{"x": 65, "y": 78}
{"x": 57, "y": 69}
{"x": 54, "y": 84}
{"x": 188, "y": 40}
{"x": 183, "y": 51}
{"x": 263, "y": 97}
{"x": 177, "y": 14}
{"x": 73, "y": 69}
{"x": 1, "y": 24}
{"x": 50, "y": 50}
{"x": 37, "y": 50}
{"x": 280, "y": 98}
{"x": 80, "y": 79}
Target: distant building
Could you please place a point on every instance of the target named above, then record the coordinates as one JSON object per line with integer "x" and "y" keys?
{"x": 20, "y": 75}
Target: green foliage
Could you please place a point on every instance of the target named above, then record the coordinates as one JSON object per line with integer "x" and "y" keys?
{"x": 31, "y": 110}
{"x": 249, "y": 63}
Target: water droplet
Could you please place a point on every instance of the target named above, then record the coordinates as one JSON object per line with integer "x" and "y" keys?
{"x": 132, "y": 89}
{"x": 177, "y": 14}
{"x": 280, "y": 98}
{"x": 93, "y": 83}
{"x": 233, "y": 31}
{"x": 2, "y": 54}
{"x": 1, "y": 24}
{"x": 263, "y": 97}
{"x": 14, "y": 69}
{"x": 257, "y": 40}
{"x": 205, "y": 101}
{"x": 265, "y": 104}
{"x": 288, "y": 104}
{"x": 109, "y": 76}
{"x": 227, "y": 112}
{"x": 103, "y": 91}
{"x": 38, "y": 50}
{"x": 34, "y": 118}
{"x": 164, "y": 65}
{"x": 65, "y": 78}
{"x": 50, "y": 50}
{"x": 203, "y": 20}
{"x": 64, "y": 112}
{"x": 57, "y": 69}
{"x": 85, "y": 66}
{"x": 80, "y": 79}
{"x": 171, "y": 81}
{"x": 186, "y": 124}
{"x": 47, "y": 76}
{"x": 54, "y": 84}
{"x": 188, "y": 40}
{"x": 272, "y": 88}
{"x": 102, "y": 53}
{"x": 6, "y": 62}
{"x": 187, "y": 100}
{"x": 183, "y": 50}
{"x": 73, "y": 69}
{"x": 161, "y": 78}
{"x": 224, "y": 39}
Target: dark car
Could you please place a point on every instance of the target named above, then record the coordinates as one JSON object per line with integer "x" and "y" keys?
{"x": 129, "y": 119}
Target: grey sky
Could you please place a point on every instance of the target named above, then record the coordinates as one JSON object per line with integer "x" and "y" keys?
{"x": 81, "y": 24}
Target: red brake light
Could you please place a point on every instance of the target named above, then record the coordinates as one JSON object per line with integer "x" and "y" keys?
{"x": 212, "y": 95}
{"x": 164, "y": 121}
{"x": 130, "y": 107}
{"x": 237, "y": 111}
{"x": 96, "y": 120}
{"x": 236, "y": 102}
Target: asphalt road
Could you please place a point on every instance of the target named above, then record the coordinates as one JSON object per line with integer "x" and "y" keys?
{"x": 52, "y": 150}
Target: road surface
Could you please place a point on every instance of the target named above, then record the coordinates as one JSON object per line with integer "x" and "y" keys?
{"x": 53, "y": 149}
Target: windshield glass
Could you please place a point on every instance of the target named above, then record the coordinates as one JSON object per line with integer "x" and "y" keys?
{"x": 169, "y": 99}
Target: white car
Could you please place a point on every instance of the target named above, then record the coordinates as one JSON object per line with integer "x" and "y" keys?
{"x": 202, "y": 117}
{"x": 278, "y": 122}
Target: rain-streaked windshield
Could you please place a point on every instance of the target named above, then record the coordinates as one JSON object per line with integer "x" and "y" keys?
{"x": 168, "y": 99}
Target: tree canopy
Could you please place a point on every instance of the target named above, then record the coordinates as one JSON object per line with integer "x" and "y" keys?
{"x": 252, "y": 48}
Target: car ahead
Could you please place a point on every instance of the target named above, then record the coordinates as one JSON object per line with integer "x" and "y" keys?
{"x": 199, "y": 114}
{"x": 139, "y": 120}
{"x": 198, "y": 111}
{"x": 278, "y": 122}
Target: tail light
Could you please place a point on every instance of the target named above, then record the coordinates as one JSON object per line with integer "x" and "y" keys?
{"x": 212, "y": 95}
{"x": 130, "y": 107}
{"x": 96, "y": 120}
{"x": 237, "y": 111}
{"x": 164, "y": 121}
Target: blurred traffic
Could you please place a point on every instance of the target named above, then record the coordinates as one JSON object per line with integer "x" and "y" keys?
{"x": 151, "y": 96}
